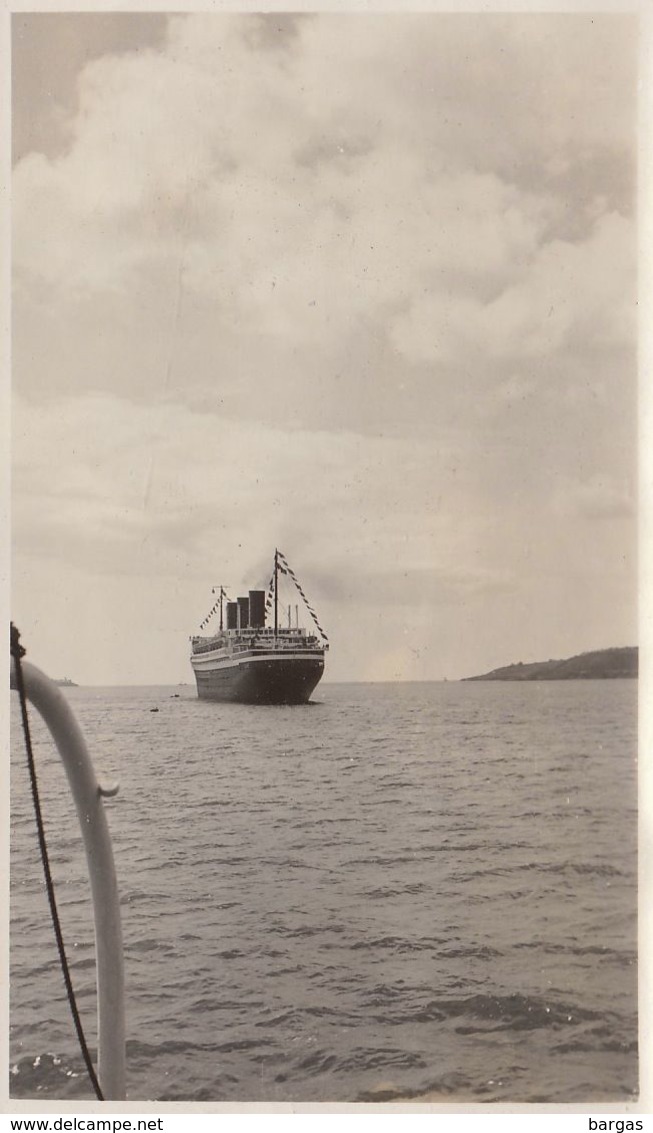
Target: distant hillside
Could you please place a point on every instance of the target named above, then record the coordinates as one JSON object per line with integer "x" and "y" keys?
{"x": 604, "y": 664}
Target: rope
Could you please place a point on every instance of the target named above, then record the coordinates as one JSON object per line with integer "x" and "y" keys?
{"x": 287, "y": 569}
{"x": 17, "y": 651}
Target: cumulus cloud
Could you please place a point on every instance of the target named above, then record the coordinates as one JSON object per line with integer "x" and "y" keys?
{"x": 345, "y": 173}
{"x": 562, "y": 298}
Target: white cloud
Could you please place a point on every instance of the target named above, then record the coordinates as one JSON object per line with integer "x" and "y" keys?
{"x": 199, "y": 158}
{"x": 566, "y": 296}
{"x": 135, "y": 478}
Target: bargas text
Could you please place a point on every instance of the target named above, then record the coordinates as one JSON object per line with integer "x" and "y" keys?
{"x": 619, "y": 1125}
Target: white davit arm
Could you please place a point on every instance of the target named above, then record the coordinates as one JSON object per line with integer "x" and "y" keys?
{"x": 87, "y": 793}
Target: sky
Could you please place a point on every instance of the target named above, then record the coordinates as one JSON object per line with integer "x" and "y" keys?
{"x": 360, "y": 287}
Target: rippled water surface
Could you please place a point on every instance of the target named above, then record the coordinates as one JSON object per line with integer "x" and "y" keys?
{"x": 397, "y": 890}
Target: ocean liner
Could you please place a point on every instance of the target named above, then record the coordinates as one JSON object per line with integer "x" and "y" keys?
{"x": 250, "y": 662}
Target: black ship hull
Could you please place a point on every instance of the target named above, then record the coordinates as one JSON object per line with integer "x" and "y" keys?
{"x": 273, "y": 680}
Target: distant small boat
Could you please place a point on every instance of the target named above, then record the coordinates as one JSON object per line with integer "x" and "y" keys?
{"x": 66, "y": 682}
{"x": 249, "y": 662}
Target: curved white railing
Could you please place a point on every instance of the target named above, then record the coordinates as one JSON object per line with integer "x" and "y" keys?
{"x": 87, "y": 792}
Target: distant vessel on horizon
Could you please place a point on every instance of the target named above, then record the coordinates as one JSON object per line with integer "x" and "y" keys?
{"x": 65, "y": 682}
{"x": 249, "y": 662}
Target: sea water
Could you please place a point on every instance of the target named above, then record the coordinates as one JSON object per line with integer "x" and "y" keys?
{"x": 397, "y": 891}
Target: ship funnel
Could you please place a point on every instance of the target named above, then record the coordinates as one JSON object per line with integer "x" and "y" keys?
{"x": 232, "y": 615}
{"x": 256, "y": 609}
{"x": 243, "y": 613}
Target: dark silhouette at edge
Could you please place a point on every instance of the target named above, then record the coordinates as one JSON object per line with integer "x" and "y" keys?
{"x": 603, "y": 664}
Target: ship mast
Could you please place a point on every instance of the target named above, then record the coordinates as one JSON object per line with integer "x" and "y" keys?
{"x": 223, "y": 594}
